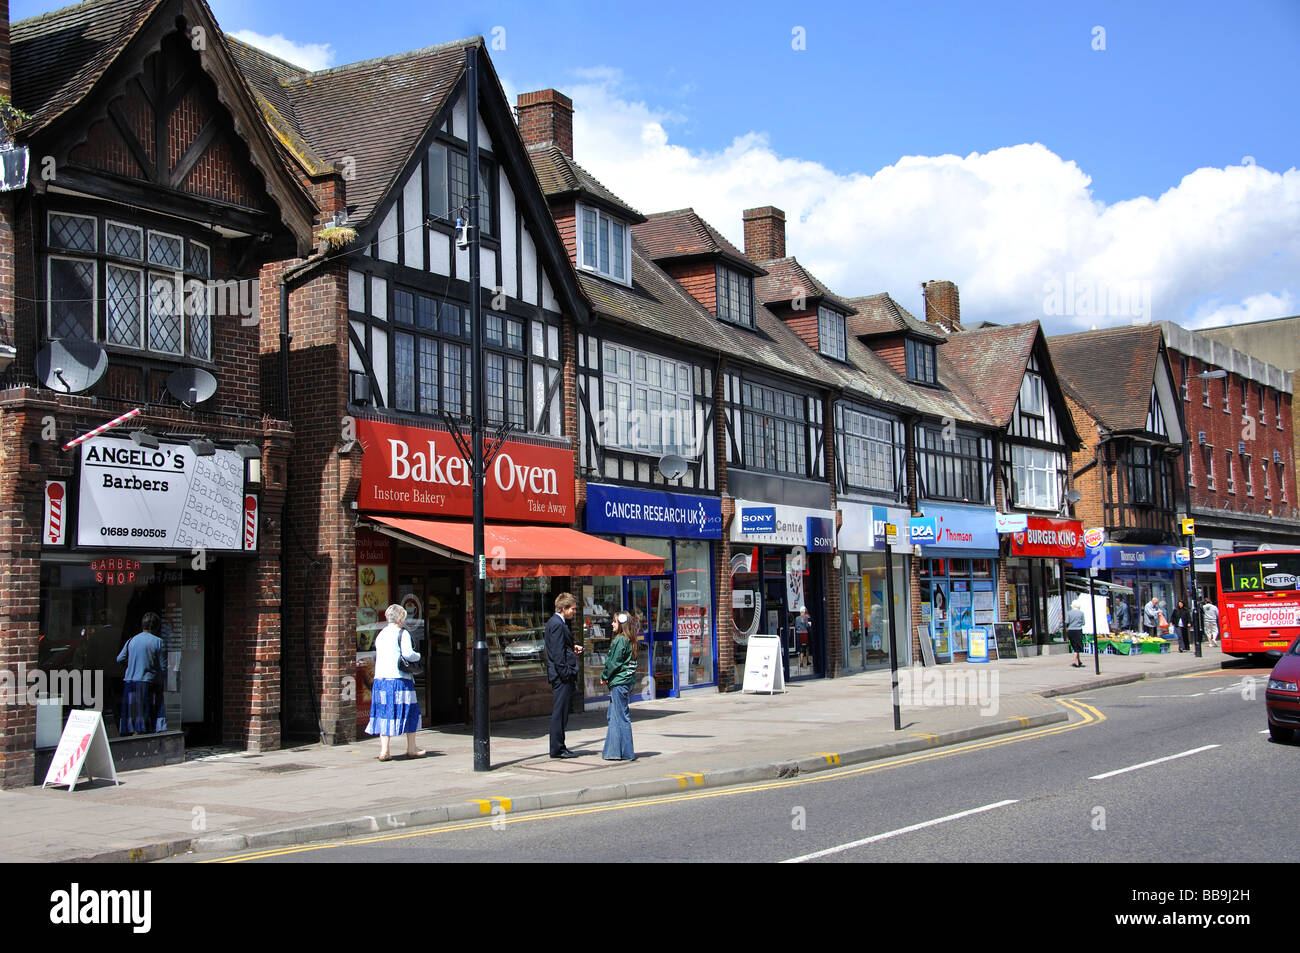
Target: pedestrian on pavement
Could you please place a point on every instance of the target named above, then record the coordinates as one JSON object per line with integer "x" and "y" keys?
{"x": 394, "y": 708}
{"x": 1180, "y": 621}
{"x": 620, "y": 674}
{"x": 1151, "y": 616}
{"x": 1074, "y": 632}
{"x": 145, "y": 655}
{"x": 1211, "y": 615}
{"x": 1162, "y": 622}
{"x": 1121, "y": 615}
{"x": 802, "y": 627}
{"x": 561, "y": 670}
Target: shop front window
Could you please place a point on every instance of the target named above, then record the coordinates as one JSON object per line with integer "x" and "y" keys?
{"x": 517, "y": 611}
{"x": 601, "y": 597}
{"x": 90, "y": 609}
{"x": 695, "y": 612}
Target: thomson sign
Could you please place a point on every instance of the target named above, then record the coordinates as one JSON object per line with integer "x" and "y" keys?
{"x": 416, "y": 471}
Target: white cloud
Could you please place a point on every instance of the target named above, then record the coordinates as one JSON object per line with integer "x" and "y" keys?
{"x": 310, "y": 56}
{"x": 1010, "y": 226}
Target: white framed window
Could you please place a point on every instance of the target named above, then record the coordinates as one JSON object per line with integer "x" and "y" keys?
{"x": 1205, "y": 388}
{"x": 1263, "y": 414}
{"x": 123, "y": 296}
{"x": 1033, "y": 399}
{"x": 648, "y": 407}
{"x": 1281, "y": 479}
{"x": 72, "y": 232}
{"x": 831, "y": 339}
{"x": 1250, "y": 475}
{"x": 1232, "y": 481}
{"x": 604, "y": 244}
{"x": 920, "y": 362}
{"x": 1268, "y": 490}
{"x": 868, "y": 451}
{"x": 1184, "y": 367}
{"x": 1277, "y": 406}
{"x": 1209, "y": 470}
{"x": 1034, "y": 478}
{"x": 1227, "y": 399}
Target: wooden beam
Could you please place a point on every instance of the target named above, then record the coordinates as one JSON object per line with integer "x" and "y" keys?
{"x": 132, "y": 141}
{"x": 194, "y": 152}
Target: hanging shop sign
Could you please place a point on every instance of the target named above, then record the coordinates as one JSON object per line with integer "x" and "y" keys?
{"x": 622, "y": 510}
{"x": 1047, "y": 538}
{"x": 1011, "y": 522}
{"x": 419, "y": 471}
{"x": 781, "y": 525}
{"x": 56, "y": 519}
{"x": 1119, "y": 556}
{"x": 164, "y": 497}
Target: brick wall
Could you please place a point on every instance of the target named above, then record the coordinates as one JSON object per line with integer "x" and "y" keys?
{"x": 804, "y": 324}
{"x": 699, "y": 279}
{"x": 1090, "y": 509}
{"x": 893, "y": 351}
{"x": 565, "y": 215}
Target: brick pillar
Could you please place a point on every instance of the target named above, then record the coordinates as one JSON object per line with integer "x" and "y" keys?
{"x": 726, "y": 645}
{"x": 22, "y": 496}
{"x": 834, "y": 578}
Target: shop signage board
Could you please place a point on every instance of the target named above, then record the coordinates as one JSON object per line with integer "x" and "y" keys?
{"x": 927, "y": 647}
{"x": 1119, "y": 556}
{"x": 961, "y": 527}
{"x": 776, "y": 524}
{"x": 420, "y": 472}
{"x": 862, "y": 529}
{"x": 1005, "y": 635}
{"x": 1048, "y": 538}
{"x": 163, "y": 497}
{"x": 56, "y": 513}
{"x": 977, "y": 646}
{"x": 821, "y": 534}
{"x": 623, "y": 510}
{"x": 763, "y": 672}
{"x": 922, "y": 531}
{"x": 83, "y": 749}
{"x": 1011, "y": 522}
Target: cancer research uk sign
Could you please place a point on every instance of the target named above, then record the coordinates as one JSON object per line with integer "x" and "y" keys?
{"x": 163, "y": 497}
{"x": 420, "y": 472}
{"x": 622, "y": 510}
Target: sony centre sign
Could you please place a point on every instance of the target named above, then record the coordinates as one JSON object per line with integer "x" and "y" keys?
{"x": 420, "y": 472}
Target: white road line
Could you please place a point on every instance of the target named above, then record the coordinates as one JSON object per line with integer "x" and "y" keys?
{"x": 1147, "y": 764}
{"x": 901, "y": 830}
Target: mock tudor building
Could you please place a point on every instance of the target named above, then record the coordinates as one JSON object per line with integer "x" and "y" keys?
{"x": 153, "y": 184}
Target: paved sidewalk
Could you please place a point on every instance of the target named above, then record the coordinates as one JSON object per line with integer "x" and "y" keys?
{"x": 234, "y": 800}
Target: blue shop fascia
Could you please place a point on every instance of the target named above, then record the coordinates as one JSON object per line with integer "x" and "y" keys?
{"x": 1147, "y": 570}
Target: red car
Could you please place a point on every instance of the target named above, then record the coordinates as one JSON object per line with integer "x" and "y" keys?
{"x": 1282, "y": 697}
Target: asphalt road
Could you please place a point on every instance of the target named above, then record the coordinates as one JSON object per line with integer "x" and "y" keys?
{"x": 1083, "y": 792}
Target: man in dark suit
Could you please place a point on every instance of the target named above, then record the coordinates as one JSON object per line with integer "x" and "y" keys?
{"x": 561, "y": 670}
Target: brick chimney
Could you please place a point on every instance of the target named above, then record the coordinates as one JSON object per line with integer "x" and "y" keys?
{"x": 942, "y": 306}
{"x": 6, "y": 66}
{"x": 546, "y": 119}
{"x": 764, "y": 233}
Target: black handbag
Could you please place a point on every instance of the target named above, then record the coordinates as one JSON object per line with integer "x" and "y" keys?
{"x": 410, "y": 668}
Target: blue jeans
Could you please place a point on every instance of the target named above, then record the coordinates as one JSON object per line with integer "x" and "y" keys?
{"x": 618, "y": 739}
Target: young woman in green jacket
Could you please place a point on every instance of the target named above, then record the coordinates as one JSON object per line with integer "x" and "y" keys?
{"x": 619, "y": 674}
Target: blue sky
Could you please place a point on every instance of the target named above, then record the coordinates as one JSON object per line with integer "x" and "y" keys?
{"x": 711, "y": 105}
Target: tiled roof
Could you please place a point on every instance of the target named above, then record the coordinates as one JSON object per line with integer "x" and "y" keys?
{"x": 880, "y": 314}
{"x": 683, "y": 234}
{"x": 59, "y": 56}
{"x": 787, "y": 279}
{"x": 1110, "y": 372}
{"x": 992, "y": 361}
{"x": 560, "y": 175}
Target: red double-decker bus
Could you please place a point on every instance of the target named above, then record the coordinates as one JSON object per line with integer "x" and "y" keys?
{"x": 1259, "y": 600}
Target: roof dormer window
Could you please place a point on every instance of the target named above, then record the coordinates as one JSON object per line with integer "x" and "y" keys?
{"x": 921, "y": 362}
{"x": 831, "y": 340}
{"x": 604, "y": 244}
{"x": 735, "y": 297}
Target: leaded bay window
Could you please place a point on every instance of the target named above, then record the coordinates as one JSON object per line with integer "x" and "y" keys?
{"x": 648, "y": 403}
{"x": 774, "y": 429}
{"x": 604, "y": 244}
{"x": 831, "y": 338}
{"x": 953, "y": 464}
{"x": 868, "y": 451}
{"x": 153, "y": 284}
{"x": 1034, "y": 478}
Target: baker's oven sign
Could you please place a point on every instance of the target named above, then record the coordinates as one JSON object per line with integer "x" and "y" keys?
{"x": 164, "y": 497}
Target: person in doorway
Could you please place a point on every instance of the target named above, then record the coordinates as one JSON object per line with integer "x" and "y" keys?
{"x": 802, "y": 627}
{"x": 145, "y": 655}
{"x": 561, "y": 670}
{"x": 1210, "y": 613}
{"x": 620, "y": 674}
{"x": 1180, "y": 621}
{"x": 1074, "y": 632}
{"x": 394, "y": 707}
{"x": 1151, "y": 616}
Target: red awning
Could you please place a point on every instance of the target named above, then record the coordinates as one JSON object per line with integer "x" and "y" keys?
{"x": 518, "y": 551}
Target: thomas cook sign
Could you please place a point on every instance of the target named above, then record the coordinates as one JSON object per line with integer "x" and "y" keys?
{"x": 421, "y": 472}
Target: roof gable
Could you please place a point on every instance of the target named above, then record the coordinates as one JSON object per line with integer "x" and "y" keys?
{"x": 684, "y": 235}
{"x": 788, "y": 281}
{"x": 1111, "y": 372}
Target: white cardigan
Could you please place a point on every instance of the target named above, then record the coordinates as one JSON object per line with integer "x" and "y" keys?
{"x": 386, "y": 649}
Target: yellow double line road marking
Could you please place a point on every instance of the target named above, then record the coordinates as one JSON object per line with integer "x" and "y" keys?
{"x": 1088, "y": 716}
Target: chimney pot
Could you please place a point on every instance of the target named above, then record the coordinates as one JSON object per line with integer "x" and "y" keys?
{"x": 764, "y": 233}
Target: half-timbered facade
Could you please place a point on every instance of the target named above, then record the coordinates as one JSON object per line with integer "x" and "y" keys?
{"x": 156, "y": 194}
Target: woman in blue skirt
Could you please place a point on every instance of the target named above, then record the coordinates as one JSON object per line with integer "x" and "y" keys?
{"x": 394, "y": 709}
{"x": 620, "y": 673}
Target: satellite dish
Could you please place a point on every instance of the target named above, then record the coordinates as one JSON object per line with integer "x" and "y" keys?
{"x": 191, "y": 385}
{"x": 1073, "y": 496}
{"x": 672, "y": 466}
{"x": 71, "y": 366}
